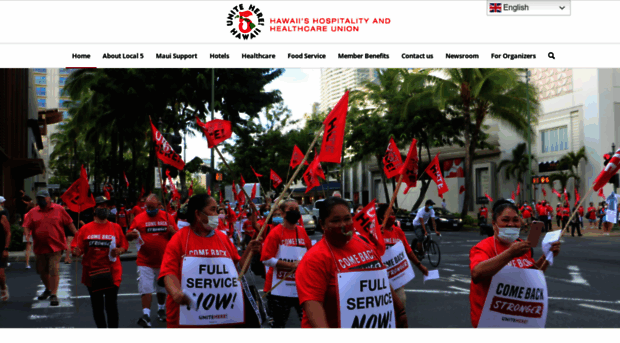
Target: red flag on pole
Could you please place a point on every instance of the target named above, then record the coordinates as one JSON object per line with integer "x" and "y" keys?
{"x": 434, "y": 172}
{"x": 234, "y": 191}
{"x": 311, "y": 179}
{"x": 297, "y": 157}
{"x": 488, "y": 197}
{"x": 366, "y": 223}
{"x": 518, "y": 188}
{"x": 77, "y": 197}
{"x": 164, "y": 150}
{"x": 253, "y": 195}
{"x": 600, "y": 193}
{"x": 392, "y": 161}
{"x": 610, "y": 170}
{"x": 216, "y": 131}
{"x": 175, "y": 192}
{"x": 232, "y": 217}
{"x": 275, "y": 178}
{"x": 462, "y": 189}
{"x": 513, "y": 196}
{"x": 333, "y": 137}
{"x": 577, "y": 197}
{"x": 126, "y": 181}
{"x": 242, "y": 183}
{"x": 241, "y": 197}
{"x": 209, "y": 190}
{"x": 316, "y": 167}
{"x": 255, "y": 173}
{"x": 543, "y": 190}
{"x": 410, "y": 167}
{"x": 141, "y": 193}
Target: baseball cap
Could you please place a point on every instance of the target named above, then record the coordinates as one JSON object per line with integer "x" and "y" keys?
{"x": 429, "y": 202}
{"x": 101, "y": 199}
{"x": 43, "y": 193}
{"x": 2, "y": 199}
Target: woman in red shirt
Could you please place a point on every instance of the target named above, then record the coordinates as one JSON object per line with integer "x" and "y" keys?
{"x": 340, "y": 273}
{"x": 199, "y": 271}
{"x": 565, "y": 215}
{"x": 591, "y": 215}
{"x": 101, "y": 242}
{"x": 503, "y": 249}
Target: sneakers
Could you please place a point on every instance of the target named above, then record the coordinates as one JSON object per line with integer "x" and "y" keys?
{"x": 4, "y": 293}
{"x": 28, "y": 267}
{"x": 144, "y": 321}
{"x": 44, "y": 295}
{"x": 54, "y": 300}
{"x": 161, "y": 315}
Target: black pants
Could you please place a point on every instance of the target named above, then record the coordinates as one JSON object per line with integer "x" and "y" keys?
{"x": 574, "y": 226}
{"x": 543, "y": 219}
{"x": 559, "y": 220}
{"x": 600, "y": 222}
{"x": 548, "y": 224}
{"x": 105, "y": 301}
{"x": 564, "y": 222}
{"x": 280, "y": 308}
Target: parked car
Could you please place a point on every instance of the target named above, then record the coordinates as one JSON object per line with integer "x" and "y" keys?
{"x": 443, "y": 219}
{"x": 317, "y": 206}
{"x": 309, "y": 221}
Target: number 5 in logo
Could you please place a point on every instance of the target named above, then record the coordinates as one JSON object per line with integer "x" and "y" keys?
{"x": 244, "y": 19}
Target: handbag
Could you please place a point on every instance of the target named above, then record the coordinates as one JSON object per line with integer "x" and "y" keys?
{"x": 100, "y": 280}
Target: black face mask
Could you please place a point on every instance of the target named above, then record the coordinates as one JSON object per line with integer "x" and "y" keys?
{"x": 292, "y": 216}
{"x": 42, "y": 203}
{"x": 102, "y": 213}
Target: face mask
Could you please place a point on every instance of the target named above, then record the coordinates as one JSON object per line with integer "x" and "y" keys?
{"x": 277, "y": 220}
{"x": 293, "y": 216}
{"x": 430, "y": 207}
{"x": 213, "y": 221}
{"x": 266, "y": 213}
{"x": 508, "y": 234}
{"x": 339, "y": 236}
{"x": 42, "y": 203}
{"x": 390, "y": 222}
{"x": 222, "y": 216}
{"x": 152, "y": 213}
{"x": 102, "y": 213}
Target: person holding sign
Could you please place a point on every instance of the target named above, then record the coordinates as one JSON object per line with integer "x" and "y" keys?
{"x": 341, "y": 281}
{"x": 200, "y": 274}
{"x": 102, "y": 242}
{"x": 284, "y": 247}
{"x": 507, "y": 286}
{"x": 399, "y": 269}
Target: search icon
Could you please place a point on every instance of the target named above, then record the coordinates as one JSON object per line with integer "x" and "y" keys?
{"x": 551, "y": 55}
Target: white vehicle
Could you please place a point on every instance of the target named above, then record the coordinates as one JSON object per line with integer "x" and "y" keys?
{"x": 258, "y": 200}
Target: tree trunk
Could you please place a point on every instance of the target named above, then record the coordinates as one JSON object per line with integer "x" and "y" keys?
{"x": 134, "y": 166}
{"x": 425, "y": 184}
{"x": 468, "y": 168}
{"x": 121, "y": 166}
{"x": 385, "y": 189}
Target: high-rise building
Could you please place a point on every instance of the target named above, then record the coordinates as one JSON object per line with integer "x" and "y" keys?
{"x": 335, "y": 81}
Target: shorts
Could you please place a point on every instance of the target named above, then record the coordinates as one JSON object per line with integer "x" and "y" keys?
{"x": 147, "y": 277}
{"x": 592, "y": 221}
{"x": 48, "y": 264}
{"x": 419, "y": 232}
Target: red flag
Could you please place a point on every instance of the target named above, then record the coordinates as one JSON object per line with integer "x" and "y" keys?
{"x": 297, "y": 157}
{"x": 191, "y": 189}
{"x": 311, "y": 179}
{"x": 253, "y": 195}
{"x": 209, "y": 190}
{"x": 175, "y": 192}
{"x": 216, "y": 131}
{"x": 106, "y": 194}
{"x": 392, "y": 161}
{"x": 126, "y": 181}
{"x": 577, "y": 197}
{"x": 462, "y": 189}
{"x": 513, "y": 196}
{"x": 316, "y": 167}
{"x": 141, "y": 193}
{"x": 255, "y": 173}
{"x": 488, "y": 197}
{"x": 435, "y": 173}
{"x": 242, "y": 183}
{"x": 367, "y": 225}
{"x": 610, "y": 170}
{"x": 77, "y": 197}
{"x": 518, "y": 188}
{"x": 275, "y": 178}
{"x": 556, "y": 192}
{"x": 410, "y": 167}
{"x": 544, "y": 192}
{"x": 234, "y": 191}
{"x": 232, "y": 217}
{"x": 164, "y": 150}
{"x": 333, "y": 137}
{"x": 241, "y": 197}
{"x": 600, "y": 193}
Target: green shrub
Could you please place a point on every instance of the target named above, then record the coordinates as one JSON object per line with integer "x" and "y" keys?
{"x": 17, "y": 238}
{"x": 468, "y": 220}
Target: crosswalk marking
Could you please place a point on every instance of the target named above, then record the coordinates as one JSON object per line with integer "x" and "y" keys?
{"x": 599, "y": 308}
{"x": 64, "y": 292}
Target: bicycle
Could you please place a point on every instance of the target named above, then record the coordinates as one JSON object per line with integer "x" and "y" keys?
{"x": 430, "y": 248}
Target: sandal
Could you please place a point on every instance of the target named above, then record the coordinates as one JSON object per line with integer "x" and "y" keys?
{"x": 4, "y": 293}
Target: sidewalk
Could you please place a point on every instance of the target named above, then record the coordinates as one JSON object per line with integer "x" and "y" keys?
{"x": 20, "y": 256}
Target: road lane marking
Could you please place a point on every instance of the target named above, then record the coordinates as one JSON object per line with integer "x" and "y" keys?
{"x": 560, "y": 312}
{"x": 433, "y": 291}
{"x": 599, "y": 308}
{"x": 459, "y": 289}
{"x": 446, "y": 269}
{"x": 586, "y": 300}
{"x": 577, "y": 278}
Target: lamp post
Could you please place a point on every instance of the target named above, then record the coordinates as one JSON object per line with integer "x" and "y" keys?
{"x": 529, "y": 138}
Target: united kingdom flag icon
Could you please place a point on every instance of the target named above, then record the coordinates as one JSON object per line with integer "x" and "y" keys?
{"x": 495, "y": 7}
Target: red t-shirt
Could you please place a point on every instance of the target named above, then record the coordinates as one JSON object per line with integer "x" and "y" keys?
{"x": 155, "y": 234}
{"x": 527, "y": 213}
{"x": 217, "y": 245}
{"x": 94, "y": 240}
{"x": 485, "y": 250}
{"x": 566, "y": 212}
{"x": 484, "y": 212}
{"x": 316, "y": 274}
{"x": 137, "y": 210}
{"x": 591, "y": 212}
{"x": 558, "y": 211}
{"x": 278, "y": 236}
{"x": 224, "y": 228}
{"x": 48, "y": 228}
{"x": 122, "y": 217}
{"x": 580, "y": 211}
{"x": 392, "y": 236}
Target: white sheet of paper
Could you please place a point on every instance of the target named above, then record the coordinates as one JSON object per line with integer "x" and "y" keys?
{"x": 550, "y": 237}
{"x": 432, "y": 274}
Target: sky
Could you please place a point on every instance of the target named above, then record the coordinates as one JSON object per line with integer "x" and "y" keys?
{"x": 300, "y": 88}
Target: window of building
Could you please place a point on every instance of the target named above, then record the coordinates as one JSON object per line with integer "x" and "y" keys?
{"x": 40, "y": 70}
{"x": 41, "y": 91}
{"x": 483, "y": 183}
{"x": 555, "y": 139}
{"x": 40, "y": 80}
{"x": 41, "y": 103}
{"x": 65, "y": 115}
{"x": 62, "y": 103}
{"x": 62, "y": 81}
{"x": 63, "y": 71}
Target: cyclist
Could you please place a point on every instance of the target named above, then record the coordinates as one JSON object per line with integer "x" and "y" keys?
{"x": 420, "y": 221}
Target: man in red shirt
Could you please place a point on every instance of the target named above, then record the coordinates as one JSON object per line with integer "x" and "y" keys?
{"x": 139, "y": 208}
{"x": 592, "y": 215}
{"x": 47, "y": 222}
{"x": 121, "y": 218}
{"x": 153, "y": 229}
{"x": 483, "y": 214}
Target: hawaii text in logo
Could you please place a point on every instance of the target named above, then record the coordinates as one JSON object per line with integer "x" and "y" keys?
{"x": 245, "y": 22}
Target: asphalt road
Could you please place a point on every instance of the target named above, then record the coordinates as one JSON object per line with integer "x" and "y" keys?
{"x": 582, "y": 290}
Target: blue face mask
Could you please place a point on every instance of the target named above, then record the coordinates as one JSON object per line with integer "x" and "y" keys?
{"x": 277, "y": 220}
{"x": 152, "y": 213}
{"x": 430, "y": 207}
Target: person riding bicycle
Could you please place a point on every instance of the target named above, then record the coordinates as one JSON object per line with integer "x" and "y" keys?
{"x": 420, "y": 221}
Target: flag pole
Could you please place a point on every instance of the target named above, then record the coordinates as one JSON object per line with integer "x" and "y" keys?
{"x": 394, "y": 195}
{"x": 575, "y": 210}
{"x": 260, "y": 184}
{"x": 279, "y": 282}
{"x": 277, "y": 204}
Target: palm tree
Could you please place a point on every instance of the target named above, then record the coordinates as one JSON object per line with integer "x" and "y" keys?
{"x": 475, "y": 94}
{"x": 571, "y": 161}
{"x": 516, "y": 166}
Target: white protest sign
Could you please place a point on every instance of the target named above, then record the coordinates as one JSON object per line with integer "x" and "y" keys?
{"x": 399, "y": 269}
{"x": 432, "y": 275}
{"x": 212, "y": 283}
{"x": 365, "y": 300}
{"x": 517, "y": 298}
{"x": 550, "y": 238}
{"x": 610, "y": 216}
{"x": 287, "y": 288}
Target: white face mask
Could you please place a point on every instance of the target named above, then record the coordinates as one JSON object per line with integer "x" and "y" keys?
{"x": 213, "y": 221}
{"x": 508, "y": 234}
